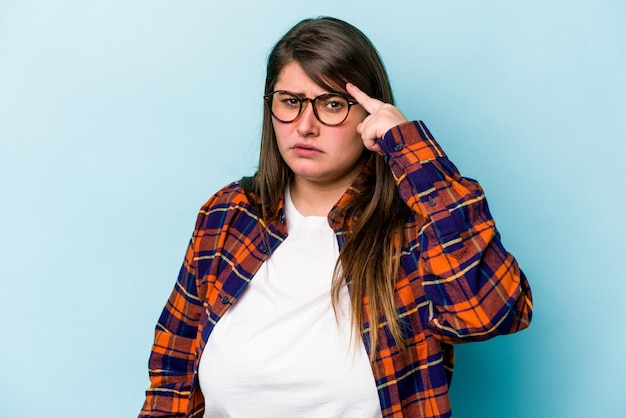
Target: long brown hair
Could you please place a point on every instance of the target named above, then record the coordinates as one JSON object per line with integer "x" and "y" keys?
{"x": 332, "y": 52}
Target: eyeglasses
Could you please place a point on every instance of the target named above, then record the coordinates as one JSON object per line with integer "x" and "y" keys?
{"x": 331, "y": 109}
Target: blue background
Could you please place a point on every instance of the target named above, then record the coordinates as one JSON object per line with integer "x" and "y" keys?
{"x": 118, "y": 119}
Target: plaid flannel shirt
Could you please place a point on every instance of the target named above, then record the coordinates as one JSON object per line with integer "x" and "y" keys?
{"x": 457, "y": 283}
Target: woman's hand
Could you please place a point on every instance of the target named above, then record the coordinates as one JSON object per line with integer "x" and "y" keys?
{"x": 382, "y": 117}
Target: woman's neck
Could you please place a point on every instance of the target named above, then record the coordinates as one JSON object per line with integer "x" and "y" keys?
{"x": 312, "y": 199}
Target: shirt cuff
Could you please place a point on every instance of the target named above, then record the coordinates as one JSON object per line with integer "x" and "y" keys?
{"x": 415, "y": 136}
{"x": 423, "y": 173}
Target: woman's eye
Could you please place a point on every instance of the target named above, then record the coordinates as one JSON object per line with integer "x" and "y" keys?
{"x": 290, "y": 102}
{"x": 333, "y": 105}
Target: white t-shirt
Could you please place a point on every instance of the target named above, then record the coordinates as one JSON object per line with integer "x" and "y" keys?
{"x": 280, "y": 351}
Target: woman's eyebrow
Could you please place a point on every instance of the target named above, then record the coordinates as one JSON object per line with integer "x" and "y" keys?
{"x": 302, "y": 95}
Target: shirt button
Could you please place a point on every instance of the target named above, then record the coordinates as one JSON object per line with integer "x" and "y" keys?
{"x": 431, "y": 201}
{"x": 263, "y": 249}
{"x": 398, "y": 147}
{"x": 225, "y": 300}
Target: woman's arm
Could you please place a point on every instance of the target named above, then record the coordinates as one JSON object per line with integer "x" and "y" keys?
{"x": 173, "y": 351}
{"x": 475, "y": 287}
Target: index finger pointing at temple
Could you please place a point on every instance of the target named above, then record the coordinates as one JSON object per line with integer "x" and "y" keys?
{"x": 369, "y": 103}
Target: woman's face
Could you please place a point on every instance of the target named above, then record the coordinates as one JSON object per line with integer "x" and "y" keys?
{"x": 329, "y": 156}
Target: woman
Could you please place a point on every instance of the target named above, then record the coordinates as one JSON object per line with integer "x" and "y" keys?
{"x": 336, "y": 279}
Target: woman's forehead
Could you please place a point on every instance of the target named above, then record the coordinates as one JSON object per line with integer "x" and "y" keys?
{"x": 294, "y": 78}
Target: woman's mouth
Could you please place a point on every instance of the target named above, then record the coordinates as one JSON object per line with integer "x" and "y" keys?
{"x": 306, "y": 150}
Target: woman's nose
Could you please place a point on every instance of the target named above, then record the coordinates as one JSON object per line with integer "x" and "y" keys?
{"x": 307, "y": 122}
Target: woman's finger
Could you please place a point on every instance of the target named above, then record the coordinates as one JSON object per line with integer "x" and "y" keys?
{"x": 369, "y": 103}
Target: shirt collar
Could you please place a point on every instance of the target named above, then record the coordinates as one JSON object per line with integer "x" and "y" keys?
{"x": 337, "y": 216}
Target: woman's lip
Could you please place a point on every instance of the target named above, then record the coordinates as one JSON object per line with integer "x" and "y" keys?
{"x": 306, "y": 147}
{"x": 305, "y": 150}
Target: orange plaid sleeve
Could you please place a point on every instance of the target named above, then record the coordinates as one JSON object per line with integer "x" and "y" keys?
{"x": 474, "y": 287}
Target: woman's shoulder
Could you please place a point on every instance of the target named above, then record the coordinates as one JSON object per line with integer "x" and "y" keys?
{"x": 231, "y": 194}
{"x": 226, "y": 206}
{"x": 238, "y": 194}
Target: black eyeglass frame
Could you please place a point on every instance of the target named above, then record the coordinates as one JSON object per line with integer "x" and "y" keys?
{"x": 302, "y": 100}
